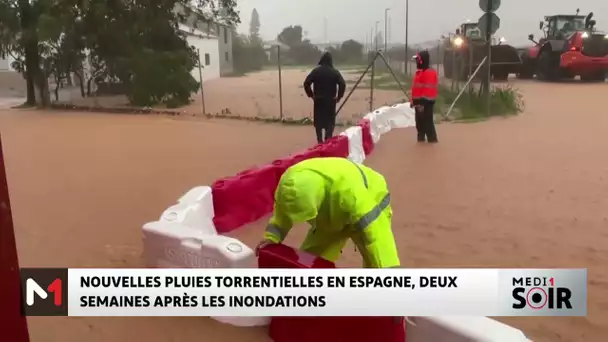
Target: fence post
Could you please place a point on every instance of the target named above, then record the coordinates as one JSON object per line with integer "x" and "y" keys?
{"x": 200, "y": 77}
{"x": 352, "y": 90}
{"x": 371, "y": 83}
{"x": 280, "y": 82}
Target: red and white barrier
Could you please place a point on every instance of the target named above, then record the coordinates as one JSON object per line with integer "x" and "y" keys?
{"x": 14, "y": 324}
{"x": 461, "y": 329}
{"x": 188, "y": 234}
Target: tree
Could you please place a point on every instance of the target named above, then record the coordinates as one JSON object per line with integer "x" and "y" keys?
{"x": 291, "y": 35}
{"x": 135, "y": 43}
{"x": 351, "y": 51}
{"x": 254, "y": 26}
{"x": 304, "y": 53}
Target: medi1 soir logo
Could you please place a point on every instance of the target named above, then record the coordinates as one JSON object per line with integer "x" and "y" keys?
{"x": 539, "y": 293}
{"x": 544, "y": 292}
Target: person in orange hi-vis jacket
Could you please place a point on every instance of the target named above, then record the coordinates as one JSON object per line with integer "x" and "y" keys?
{"x": 424, "y": 94}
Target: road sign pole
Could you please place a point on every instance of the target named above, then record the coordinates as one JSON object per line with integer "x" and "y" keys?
{"x": 492, "y": 22}
{"x": 489, "y": 61}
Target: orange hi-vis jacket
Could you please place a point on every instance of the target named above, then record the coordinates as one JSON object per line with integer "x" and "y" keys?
{"x": 424, "y": 86}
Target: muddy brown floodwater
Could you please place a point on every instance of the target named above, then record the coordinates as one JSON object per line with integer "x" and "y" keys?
{"x": 528, "y": 191}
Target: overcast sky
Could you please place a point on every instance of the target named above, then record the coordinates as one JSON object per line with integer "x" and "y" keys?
{"x": 354, "y": 19}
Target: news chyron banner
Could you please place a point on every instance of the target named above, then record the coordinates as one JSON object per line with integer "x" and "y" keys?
{"x": 304, "y": 292}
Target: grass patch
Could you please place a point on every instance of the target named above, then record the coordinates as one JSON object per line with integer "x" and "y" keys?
{"x": 470, "y": 107}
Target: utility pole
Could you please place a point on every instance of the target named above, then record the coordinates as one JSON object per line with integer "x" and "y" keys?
{"x": 386, "y": 28}
{"x": 407, "y": 54}
{"x": 371, "y": 39}
{"x": 325, "y": 30}
{"x": 376, "y": 38}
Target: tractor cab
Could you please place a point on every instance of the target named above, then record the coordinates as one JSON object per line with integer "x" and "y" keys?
{"x": 576, "y": 32}
{"x": 471, "y": 31}
{"x": 562, "y": 26}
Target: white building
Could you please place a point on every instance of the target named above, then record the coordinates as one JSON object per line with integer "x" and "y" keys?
{"x": 5, "y": 64}
{"x": 209, "y": 52}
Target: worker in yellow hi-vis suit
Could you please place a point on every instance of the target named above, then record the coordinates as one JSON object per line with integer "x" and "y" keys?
{"x": 341, "y": 200}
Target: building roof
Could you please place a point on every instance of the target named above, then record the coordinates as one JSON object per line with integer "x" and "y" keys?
{"x": 195, "y": 32}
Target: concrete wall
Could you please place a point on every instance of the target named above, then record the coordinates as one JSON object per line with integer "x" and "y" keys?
{"x": 5, "y": 64}
{"x": 11, "y": 83}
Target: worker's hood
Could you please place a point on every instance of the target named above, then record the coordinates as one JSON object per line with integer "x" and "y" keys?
{"x": 423, "y": 60}
{"x": 326, "y": 59}
{"x": 300, "y": 194}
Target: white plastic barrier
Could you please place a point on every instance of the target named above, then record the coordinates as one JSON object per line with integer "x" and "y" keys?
{"x": 355, "y": 144}
{"x": 185, "y": 237}
{"x": 194, "y": 209}
{"x": 460, "y": 329}
{"x": 387, "y": 118}
{"x": 174, "y": 245}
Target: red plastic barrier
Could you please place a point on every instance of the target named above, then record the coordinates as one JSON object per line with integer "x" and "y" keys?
{"x": 368, "y": 142}
{"x": 283, "y": 256}
{"x": 249, "y": 195}
{"x": 324, "y": 329}
{"x": 14, "y": 325}
{"x": 335, "y": 147}
{"x": 244, "y": 198}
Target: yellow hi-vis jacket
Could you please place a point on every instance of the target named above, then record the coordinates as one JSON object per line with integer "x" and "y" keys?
{"x": 336, "y": 195}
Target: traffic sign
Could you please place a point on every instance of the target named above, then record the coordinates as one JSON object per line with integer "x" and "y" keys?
{"x": 483, "y": 23}
{"x": 484, "y": 5}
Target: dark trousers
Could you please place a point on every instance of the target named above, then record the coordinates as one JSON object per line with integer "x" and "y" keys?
{"x": 324, "y": 118}
{"x": 425, "y": 124}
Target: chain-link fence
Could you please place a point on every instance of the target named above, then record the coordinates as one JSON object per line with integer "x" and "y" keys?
{"x": 276, "y": 91}
{"x": 243, "y": 76}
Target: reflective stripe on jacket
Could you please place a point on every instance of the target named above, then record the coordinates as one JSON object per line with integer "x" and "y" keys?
{"x": 334, "y": 195}
{"x": 424, "y": 85}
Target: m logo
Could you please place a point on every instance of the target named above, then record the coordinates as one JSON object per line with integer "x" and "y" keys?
{"x": 44, "y": 291}
{"x": 32, "y": 289}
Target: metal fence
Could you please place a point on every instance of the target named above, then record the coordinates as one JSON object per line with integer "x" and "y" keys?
{"x": 276, "y": 92}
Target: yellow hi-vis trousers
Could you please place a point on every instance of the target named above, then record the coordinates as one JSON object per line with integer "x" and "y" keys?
{"x": 329, "y": 246}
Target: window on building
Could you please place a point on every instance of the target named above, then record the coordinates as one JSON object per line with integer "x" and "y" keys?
{"x": 227, "y": 56}
{"x": 219, "y": 29}
{"x": 225, "y": 35}
{"x": 207, "y": 59}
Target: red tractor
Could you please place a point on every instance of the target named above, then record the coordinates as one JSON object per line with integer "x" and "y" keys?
{"x": 571, "y": 47}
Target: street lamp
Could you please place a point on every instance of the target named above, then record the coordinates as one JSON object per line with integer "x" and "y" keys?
{"x": 386, "y": 28}
{"x": 407, "y": 13}
{"x": 371, "y": 40}
{"x": 376, "y": 37}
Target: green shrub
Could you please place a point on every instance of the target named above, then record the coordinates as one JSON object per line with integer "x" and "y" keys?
{"x": 503, "y": 101}
{"x": 162, "y": 77}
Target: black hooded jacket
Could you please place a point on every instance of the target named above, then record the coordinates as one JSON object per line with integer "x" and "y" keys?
{"x": 326, "y": 81}
{"x": 423, "y": 61}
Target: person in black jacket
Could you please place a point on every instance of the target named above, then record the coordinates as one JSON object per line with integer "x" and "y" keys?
{"x": 327, "y": 90}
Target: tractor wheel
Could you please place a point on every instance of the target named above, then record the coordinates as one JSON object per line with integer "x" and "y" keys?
{"x": 526, "y": 68}
{"x": 548, "y": 66}
{"x": 525, "y": 72}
